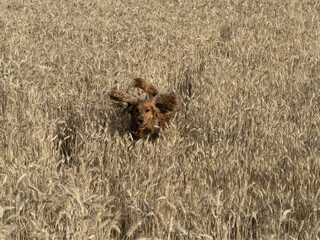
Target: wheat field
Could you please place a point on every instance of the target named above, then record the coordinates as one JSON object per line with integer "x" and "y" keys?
{"x": 240, "y": 160}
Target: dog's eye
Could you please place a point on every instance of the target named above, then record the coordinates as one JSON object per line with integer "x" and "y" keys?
{"x": 148, "y": 110}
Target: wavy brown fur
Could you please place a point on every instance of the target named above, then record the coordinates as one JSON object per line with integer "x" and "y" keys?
{"x": 121, "y": 99}
{"x": 146, "y": 86}
{"x": 146, "y": 115}
{"x": 166, "y": 103}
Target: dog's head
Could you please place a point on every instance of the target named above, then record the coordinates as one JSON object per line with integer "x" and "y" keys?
{"x": 144, "y": 116}
{"x": 145, "y": 113}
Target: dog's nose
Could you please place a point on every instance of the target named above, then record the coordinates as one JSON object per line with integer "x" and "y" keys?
{"x": 140, "y": 120}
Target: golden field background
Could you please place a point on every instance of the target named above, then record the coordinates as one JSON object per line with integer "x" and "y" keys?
{"x": 241, "y": 159}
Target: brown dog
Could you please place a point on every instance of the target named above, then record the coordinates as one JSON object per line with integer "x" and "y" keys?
{"x": 147, "y": 116}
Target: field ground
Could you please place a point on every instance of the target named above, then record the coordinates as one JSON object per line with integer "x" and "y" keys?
{"x": 241, "y": 159}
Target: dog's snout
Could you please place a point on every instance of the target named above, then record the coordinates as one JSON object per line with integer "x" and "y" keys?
{"x": 140, "y": 120}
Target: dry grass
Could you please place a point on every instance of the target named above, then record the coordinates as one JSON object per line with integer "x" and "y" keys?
{"x": 240, "y": 161}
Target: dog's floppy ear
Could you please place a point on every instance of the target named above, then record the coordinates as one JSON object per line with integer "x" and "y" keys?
{"x": 121, "y": 99}
{"x": 168, "y": 102}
